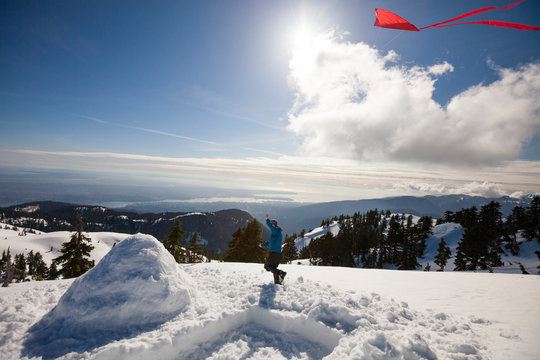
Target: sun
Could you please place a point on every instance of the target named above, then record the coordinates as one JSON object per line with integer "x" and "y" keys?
{"x": 302, "y": 35}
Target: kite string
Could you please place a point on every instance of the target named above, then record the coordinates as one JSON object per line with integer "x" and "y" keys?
{"x": 474, "y": 12}
{"x": 394, "y": 38}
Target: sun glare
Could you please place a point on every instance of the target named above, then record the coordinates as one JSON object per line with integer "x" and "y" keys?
{"x": 302, "y": 35}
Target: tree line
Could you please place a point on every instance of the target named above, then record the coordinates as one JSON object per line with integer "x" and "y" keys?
{"x": 487, "y": 235}
{"x": 374, "y": 239}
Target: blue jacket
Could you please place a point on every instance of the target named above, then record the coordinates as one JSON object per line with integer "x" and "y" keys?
{"x": 276, "y": 238}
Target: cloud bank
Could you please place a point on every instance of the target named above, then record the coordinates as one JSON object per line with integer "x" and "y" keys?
{"x": 304, "y": 179}
{"x": 355, "y": 102}
{"x": 486, "y": 189}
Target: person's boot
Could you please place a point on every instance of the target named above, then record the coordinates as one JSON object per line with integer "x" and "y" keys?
{"x": 282, "y": 277}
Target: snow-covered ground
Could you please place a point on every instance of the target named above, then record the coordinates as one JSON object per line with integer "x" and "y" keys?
{"x": 234, "y": 311}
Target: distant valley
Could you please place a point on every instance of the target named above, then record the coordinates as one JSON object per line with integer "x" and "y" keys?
{"x": 215, "y": 229}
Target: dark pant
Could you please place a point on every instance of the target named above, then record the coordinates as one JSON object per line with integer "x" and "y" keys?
{"x": 271, "y": 265}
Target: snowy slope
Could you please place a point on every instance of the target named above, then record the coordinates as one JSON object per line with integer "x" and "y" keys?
{"x": 316, "y": 233}
{"x": 320, "y": 312}
{"x": 50, "y": 244}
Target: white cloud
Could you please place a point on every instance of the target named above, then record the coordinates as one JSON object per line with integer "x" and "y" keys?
{"x": 353, "y": 101}
{"x": 308, "y": 179}
{"x": 485, "y": 188}
{"x": 474, "y": 188}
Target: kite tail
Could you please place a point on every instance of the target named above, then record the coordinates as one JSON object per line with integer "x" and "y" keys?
{"x": 493, "y": 23}
{"x": 486, "y": 22}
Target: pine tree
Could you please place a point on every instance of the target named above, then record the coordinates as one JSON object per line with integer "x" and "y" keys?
{"x": 305, "y": 253}
{"x": 245, "y": 245}
{"x": 460, "y": 262}
{"x": 174, "y": 242}
{"x": 395, "y": 238}
{"x": 234, "y": 246}
{"x": 3, "y": 261}
{"x": 39, "y": 267}
{"x": 53, "y": 272}
{"x": 443, "y": 254}
{"x": 30, "y": 262}
{"x": 76, "y": 253}
{"x": 290, "y": 252}
{"x": 533, "y": 220}
{"x": 491, "y": 225}
{"x": 20, "y": 267}
{"x": 415, "y": 242}
{"x": 8, "y": 277}
{"x": 20, "y": 262}
{"x": 195, "y": 249}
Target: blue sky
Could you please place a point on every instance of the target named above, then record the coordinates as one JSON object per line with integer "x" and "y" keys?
{"x": 297, "y": 100}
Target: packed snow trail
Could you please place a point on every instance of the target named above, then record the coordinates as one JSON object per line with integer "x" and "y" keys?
{"x": 235, "y": 312}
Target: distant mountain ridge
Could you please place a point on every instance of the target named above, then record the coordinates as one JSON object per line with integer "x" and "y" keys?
{"x": 216, "y": 221}
{"x": 216, "y": 228}
{"x": 294, "y": 219}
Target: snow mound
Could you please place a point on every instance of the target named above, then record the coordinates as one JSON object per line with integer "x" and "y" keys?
{"x": 135, "y": 288}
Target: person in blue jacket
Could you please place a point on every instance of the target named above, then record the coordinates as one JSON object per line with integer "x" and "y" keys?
{"x": 274, "y": 245}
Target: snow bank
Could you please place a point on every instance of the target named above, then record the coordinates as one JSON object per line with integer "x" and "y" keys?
{"x": 136, "y": 287}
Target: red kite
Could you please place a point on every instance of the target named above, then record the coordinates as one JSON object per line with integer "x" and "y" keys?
{"x": 387, "y": 19}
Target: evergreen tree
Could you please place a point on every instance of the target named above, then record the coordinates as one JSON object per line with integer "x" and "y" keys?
{"x": 53, "y": 272}
{"x": 8, "y": 277}
{"x": 38, "y": 266}
{"x": 344, "y": 246}
{"x": 518, "y": 219}
{"x": 443, "y": 254}
{"x": 20, "y": 262}
{"x": 415, "y": 242}
{"x": 460, "y": 262}
{"x": 234, "y": 251}
{"x": 305, "y": 253}
{"x": 492, "y": 225}
{"x": 481, "y": 242}
{"x": 30, "y": 262}
{"x": 245, "y": 245}
{"x": 533, "y": 220}
{"x": 76, "y": 253}
{"x": 449, "y": 216}
{"x": 289, "y": 252}
{"x": 174, "y": 242}
{"x": 3, "y": 261}
{"x": 395, "y": 238}
{"x": 20, "y": 266}
{"x": 195, "y": 249}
